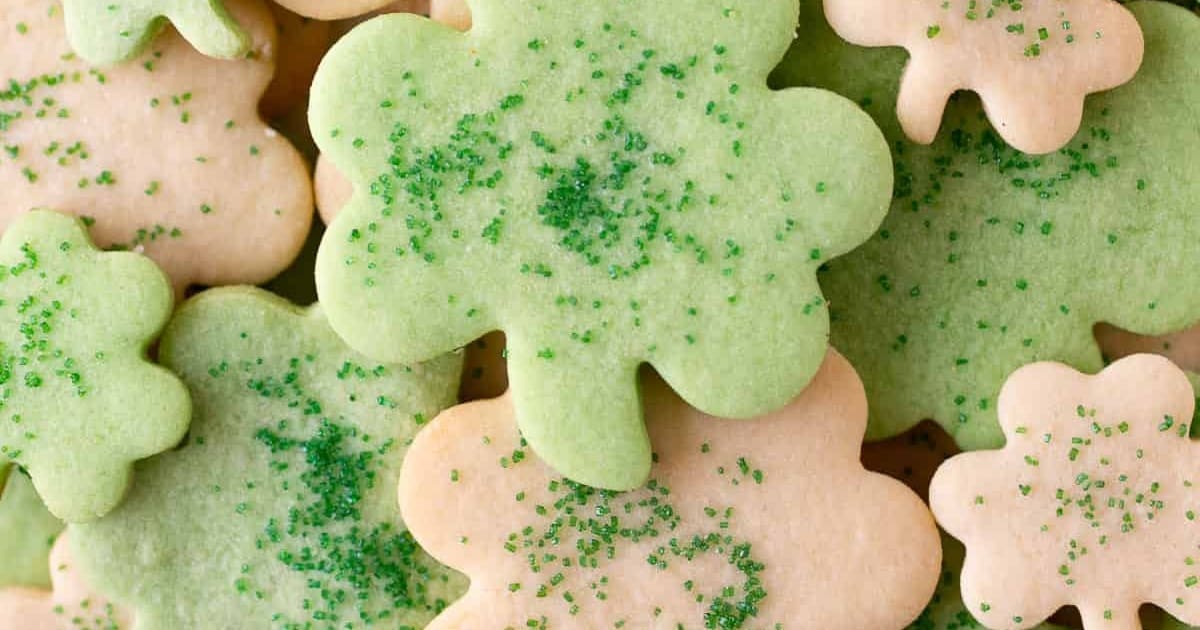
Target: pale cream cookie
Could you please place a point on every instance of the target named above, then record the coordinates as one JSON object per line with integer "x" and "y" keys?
{"x": 165, "y": 154}
{"x": 1032, "y": 61}
{"x": 1091, "y": 503}
{"x": 743, "y": 524}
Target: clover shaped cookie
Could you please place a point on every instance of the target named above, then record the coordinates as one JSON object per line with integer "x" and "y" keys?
{"x": 110, "y": 31}
{"x": 71, "y": 605}
{"x": 79, "y": 399}
{"x": 741, "y": 525}
{"x": 27, "y": 531}
{"x": 340, "y": 9}
{"x": 1031, "y": 62}
{"x": 992, "y": 259}
{"x": 280, "y": 510}
{"x": 1090, "y": 503}
{"x": 608, "y": 190}
{"x": 165, "y": 154}
{"x": 456, "y": 13}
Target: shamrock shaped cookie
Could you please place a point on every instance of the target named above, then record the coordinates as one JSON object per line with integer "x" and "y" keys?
{"x": 605, "y": 188}
{"x": 991, "y": 258}
{"x": 281, "y": 508}
{"x": 110, "y": 31}
{"x": 914, "y": 458}
{"x": 27, "y": 531}
{"x": 341, "y": 9}
{"x": 165, "y": 154}
{"x": 456, "y": 13}
{"x": 742, "y": 525}
{"x": 1090, "y": 503}
{"x": 79, "y": 399}
{"x": 71, "y": 605}
{"x": 1031, "y": 62}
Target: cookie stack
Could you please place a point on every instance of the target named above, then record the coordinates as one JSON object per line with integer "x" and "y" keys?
{"x": 620, "y": 314}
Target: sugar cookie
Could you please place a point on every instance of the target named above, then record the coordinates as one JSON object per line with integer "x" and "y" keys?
{"x": 165, "y": 154}
{"x": 556, "y": 179}
{"x": 743, "y": 525}
{"x": 1096, "y": 474}
{"x": 990, "y": 258}
{"x": 281, "y": 508}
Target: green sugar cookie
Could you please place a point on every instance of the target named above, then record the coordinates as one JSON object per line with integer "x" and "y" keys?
{"x": 606, "y": 188}
{"x": 110, "y": 31}
{"x": 280, "y": 510}
{"x": 79, "y": 402}
{"x": 27, "y": 532}
{"x": 991, "y": 259}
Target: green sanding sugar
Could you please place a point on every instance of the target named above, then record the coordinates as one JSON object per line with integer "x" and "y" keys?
{"x": 79, "y": 401}
{"x": 280, "y": 510}
{"x": 605, "y": 190}
{"x": 991, "y": 259}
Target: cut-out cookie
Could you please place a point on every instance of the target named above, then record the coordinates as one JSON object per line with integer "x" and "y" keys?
{"x": 280, "y": 510}
{"x": 1091, "y": 502}
{"x": 79, "y": 399}
{"x": 605, "y": 190}
{"x": 742, "y": 524}
{"x": 165, "y": 154}
{"x": 27, "y": 531}
{"x": 1031, "y": 62}
{"x": 989, "y": 258}
{"x": 946, "y": 610}
{"x": 341, "y": 9}
{"x": 107, "y": 32}
{"x": 913, "y": 458}
{"x": 302, "y": 43}
{"x": 71, "y": 605}
{"x": 454, "y": 13}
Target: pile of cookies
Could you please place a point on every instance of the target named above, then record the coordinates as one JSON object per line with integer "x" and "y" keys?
{"x": 755, "y": 314}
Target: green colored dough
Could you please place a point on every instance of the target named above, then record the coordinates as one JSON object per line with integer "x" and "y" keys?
{"x": 111, "y": 31}
{"x": 79, "y": 401}
{"x": 946, "y": 611}
{"x": 280, "y": 510}
{"x": 27, "y": 531}
{"x": 991, "y": 259}
{"x": 610, "y": 183}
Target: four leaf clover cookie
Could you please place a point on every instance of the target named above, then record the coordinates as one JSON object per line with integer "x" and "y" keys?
{"x": 607, "y": 189}
{"x": 742, "y": 525}
{"x": 110, "y": 31}
{"x": 79, "y": 399}
{"x": 1092, "y": 501}
{"x": 1031, "y": 62}
{"x": 280, "y": 510}
{"x": 991, "y": 258}
{"x": 165, "y": 154}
